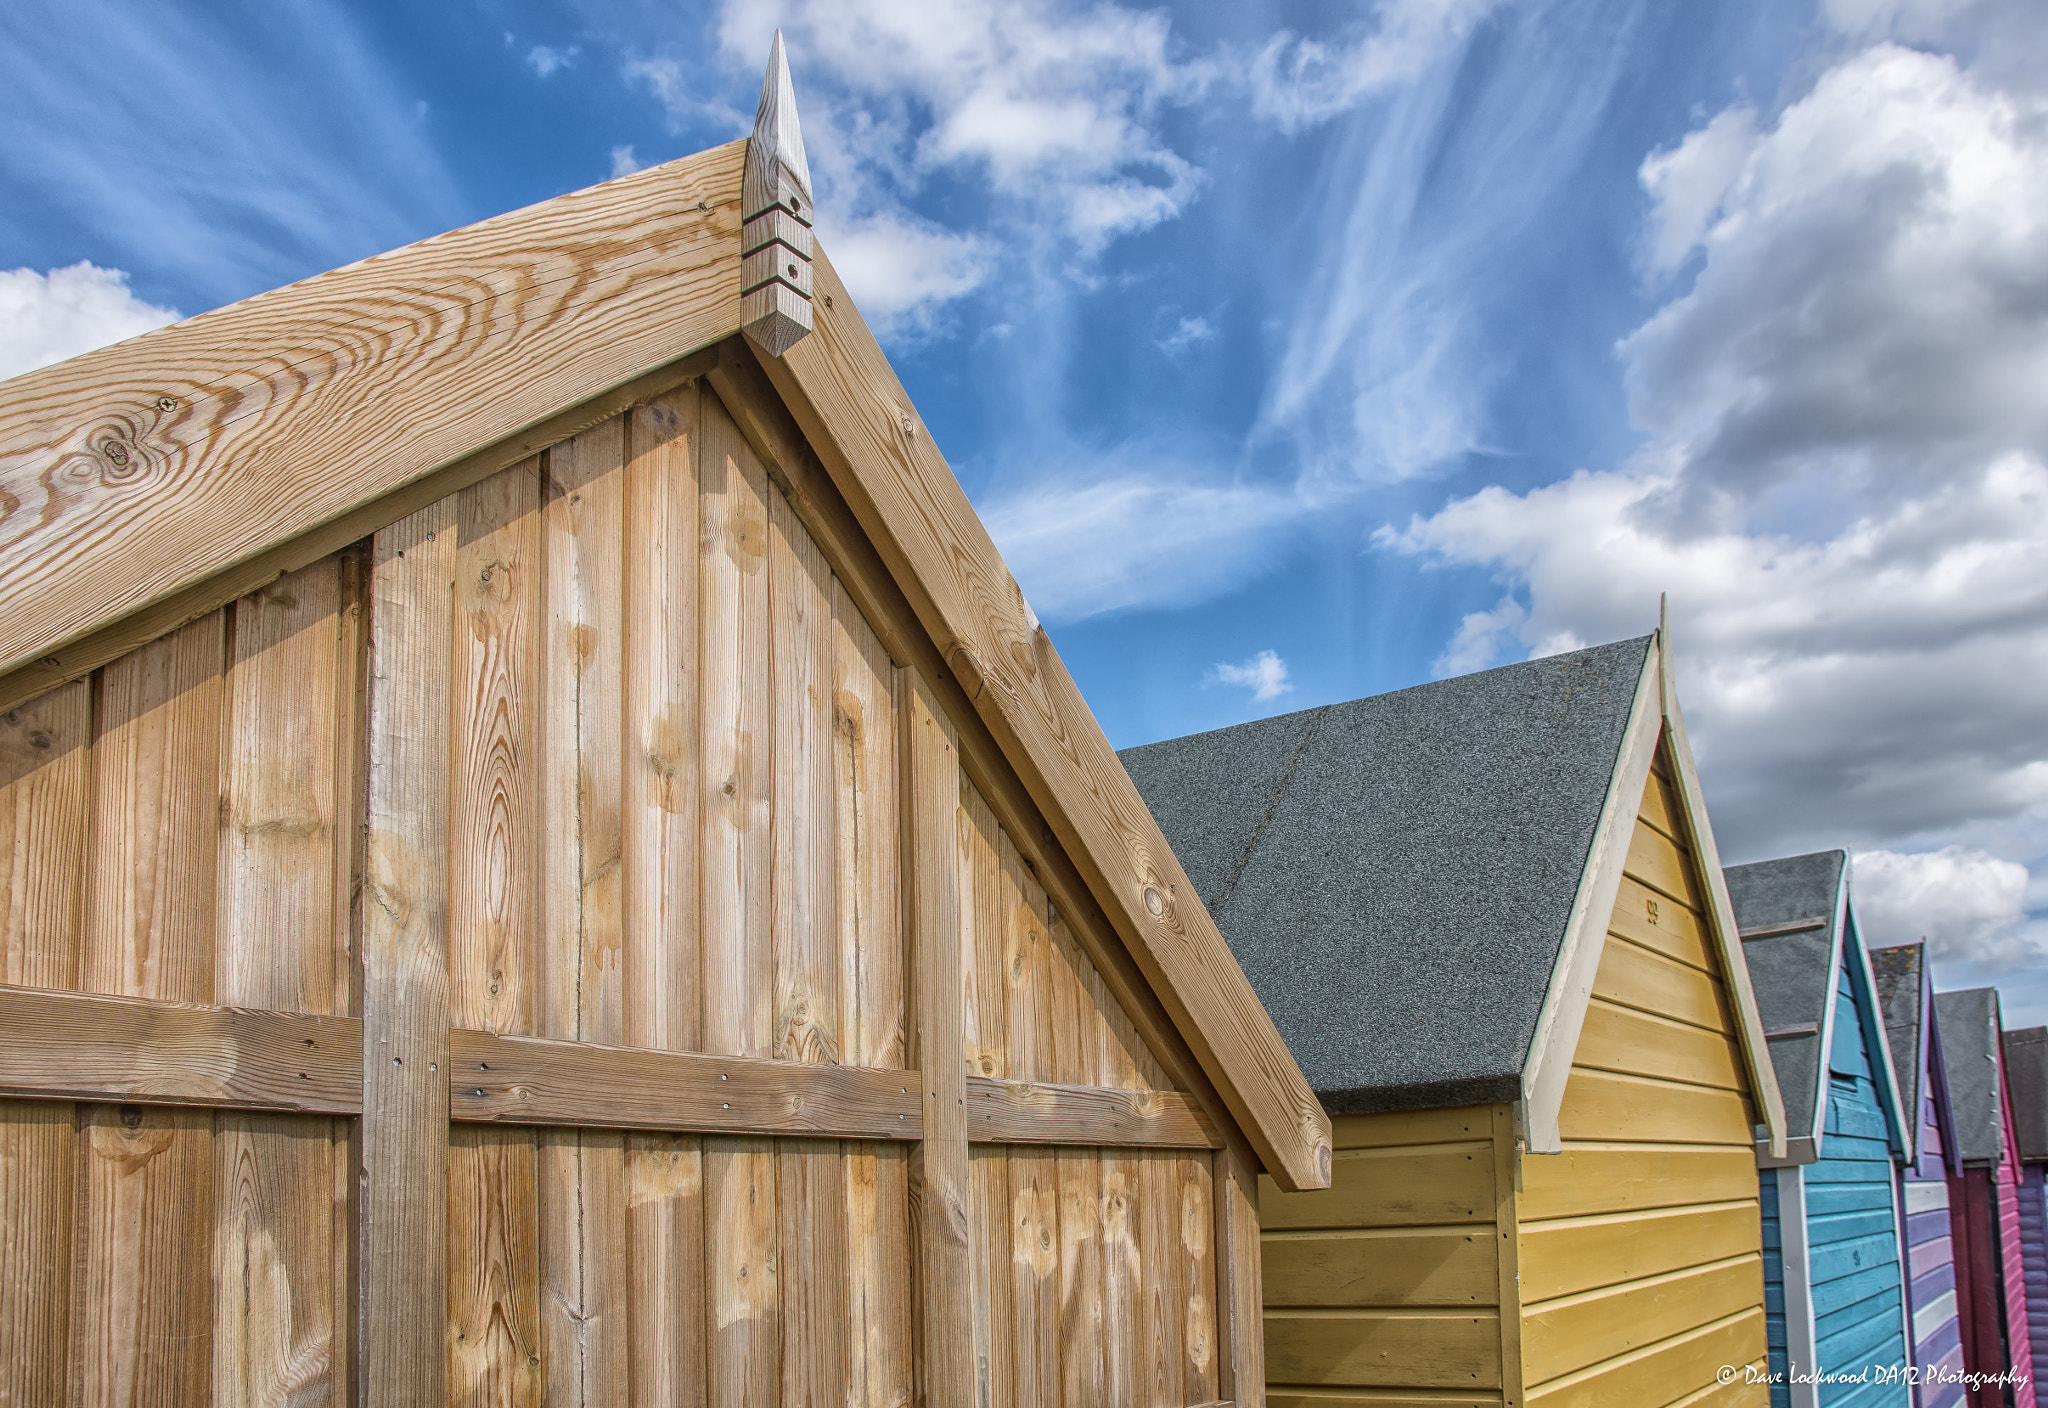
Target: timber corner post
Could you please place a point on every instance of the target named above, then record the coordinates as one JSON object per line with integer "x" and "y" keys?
{"x": 775, "y": 211}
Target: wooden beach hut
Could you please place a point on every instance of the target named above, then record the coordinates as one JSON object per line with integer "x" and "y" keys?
{"x": 1832, "y": 1251}
{"x": 1983, "y": 1203}
{"x": 546, "y": 860}
{"x": 2026, "y": 1075}
{"x": 1488, "y": 916}
{"x": 1906, "y": 991}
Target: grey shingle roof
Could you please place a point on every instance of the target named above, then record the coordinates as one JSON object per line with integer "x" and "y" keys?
{"x": 1394, "y": 874}
{"x": 1968, "y": 1023}
{"x": 1791, "y": 972}
{"x": 1898, "y": 972}
{"x": 2026, "y": 1081}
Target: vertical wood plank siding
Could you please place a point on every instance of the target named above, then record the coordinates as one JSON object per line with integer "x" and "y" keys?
{"x": 599, "y": 749}
{"x": 1641, "y": 1242}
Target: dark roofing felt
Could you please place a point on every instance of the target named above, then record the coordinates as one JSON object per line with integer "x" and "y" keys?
{"x": 1394, "y": 874}
{"x": 1968, "y": 1024}
{"x": 2026, "y": 1081}
{"x": 1790, "y": 972}
{"x": 1898, "y": 971}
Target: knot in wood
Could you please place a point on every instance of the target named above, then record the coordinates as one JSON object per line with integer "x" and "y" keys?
{"x": 1155, "y": 903}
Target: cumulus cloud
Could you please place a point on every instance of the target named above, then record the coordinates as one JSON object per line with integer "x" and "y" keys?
{"x": 45, "y": 318}
{"x": 1265, "y": 675}
{"x": 1969, "y": 905}
{"x": 545, "y": 60}
{"x": 1297, "y": 81}
{"x": 1845, "y": 481}
{"x": 902, "y": 270}
{"x": 624, "y": 163}
{"x": 1137, "y": 537}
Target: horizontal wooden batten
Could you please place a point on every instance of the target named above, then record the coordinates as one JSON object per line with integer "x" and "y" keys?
{"x": 1790, "y": 926}
{"x": 1023, "y": 1112}
{"x": 526, "y": 1080}
{"x": 88, "y": 1046}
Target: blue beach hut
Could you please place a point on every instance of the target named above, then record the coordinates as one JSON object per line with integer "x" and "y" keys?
{"x": 1833, "y": 1280}
{"x": 1906, "y": 992}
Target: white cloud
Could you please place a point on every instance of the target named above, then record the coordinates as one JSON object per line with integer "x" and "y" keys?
{"x": 901, "y": 270}
{"x": 1297, "y": 82}
{"x": 1969, "y": 905}
{"x": 1121, "y": 538}
{"x": 624, "y": 163}
{"x": 545, "y": 61}
{"x": 1188, "y": 332}
{"x": 1687, "y": 184}
{"x": 1265, "y": 675}
{"x": 1845, "y": 488}
{"x": 46, "y": 318}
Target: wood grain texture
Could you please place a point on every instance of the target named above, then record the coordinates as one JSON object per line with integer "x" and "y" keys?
{"x": 943, "y": 1281}
{"x": 1034, "y": 1265}
{"x": 1124, "y": 1361}
{"x": 1240, "y": 1281}
{"x": 664, "y": 1259}
{"x": 742, "y": 1293}
{"x": 494, "y": 753}
{"x": 989, "y": 1246}
{"x": 133, "y": 471}
{"x": 1019, "y": 1112}
{"x": 144, "y": 1241}
{"x": 582, "y": 1218}
{"x": 530, "y": 1080}
{"x": 405, "y": 973}
{"x": 286, "y": 827}
{"x": 1195, "y": 1224}
{"x": 494, "y": 1334}
{"x": 45, "y": 781}
{"x": 841, "y": 389}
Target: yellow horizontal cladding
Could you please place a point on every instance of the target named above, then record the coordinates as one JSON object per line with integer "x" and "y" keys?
{"x": 1401, "y": 1127}
{"x": 1601, "y": 1105}
{"x": 1578, "y": 1332}
{"x": 1579, "y": 1254}
{"x": 1661, "y": 808}
{"x": 1635, "y": 977}
{"x": 1290, "y": 1396}
{"x": 1615, "y": 1178}
{"x": 1406, "y": 1187}
{"x": 1383, "y": 1348}
{"x": 1656, "y": 921}
{"x": 1655, "y": 861}
{"x": 1669, "y": 1372}
{"x": 1618, "y": 1038}
{"x": 1433, "y": 1266}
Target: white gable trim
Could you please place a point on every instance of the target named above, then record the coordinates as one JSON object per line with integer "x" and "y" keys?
{"x": 1549, "y": 1064}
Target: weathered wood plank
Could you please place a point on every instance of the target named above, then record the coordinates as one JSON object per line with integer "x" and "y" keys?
{"x": 1034, "y": 1265}
{"x": 139, "y": 1332}
{"x": 659, "y": 857}
{"x": 132, "y": 471}
{"x": 1079, "y": 1177}
{"x": 1240, "y": 1280}
{"x": 529, "y": 1080}
{"x": 583, "y": 1317}
{"x": 840, "y": 388}
{"x": 1162, "y": 1300}
{"x": 494, "y": 752}
{"x": 45, "y": 776}
{"x": 943, "y": 1284}
{"x": 494, "y": 1334}
{"x": 1124, "y": 1360}
{"x": 995, "y": 1318}
{"x": 1018, "y": 1112}
{"x": 743, "y": 1298}
{"x": 284, "y": 831}
{"x": 982, "y": 939}
{"x": 1195, "y": 1224}
{"x": 405, "y": 957}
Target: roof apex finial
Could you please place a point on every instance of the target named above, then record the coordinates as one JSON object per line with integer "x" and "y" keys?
{"x": 775, "y": 210}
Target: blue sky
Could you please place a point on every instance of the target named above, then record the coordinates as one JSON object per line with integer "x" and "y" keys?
{"x": 1293, "y": 352}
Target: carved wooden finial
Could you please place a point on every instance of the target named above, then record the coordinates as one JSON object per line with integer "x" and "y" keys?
{"x": 775, "y": 206}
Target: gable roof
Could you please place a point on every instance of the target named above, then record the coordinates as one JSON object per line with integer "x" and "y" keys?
{"x": 1970, "y": 1050}
{"x": 1904, "y": 996}
{"x": 1409, "y": 880}
{"x": 2026, "y": 1082}
{"x": 1798, "y": 938}
{"x": 147, "y": 483}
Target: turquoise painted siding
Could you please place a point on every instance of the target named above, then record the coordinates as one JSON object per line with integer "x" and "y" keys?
{"x": 1851, "y": 1226}
{"x": 1774, "y": 1286}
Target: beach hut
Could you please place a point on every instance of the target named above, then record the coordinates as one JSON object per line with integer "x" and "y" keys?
{"x": 1488, "y": 917}
{"x": 2026, "y": 1076}
{"x": 544, "y": 858}
{"x": 1832, "y": 1250}
{"x": 1983, "y": 1203}
{"x": 1906, "y": 991}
